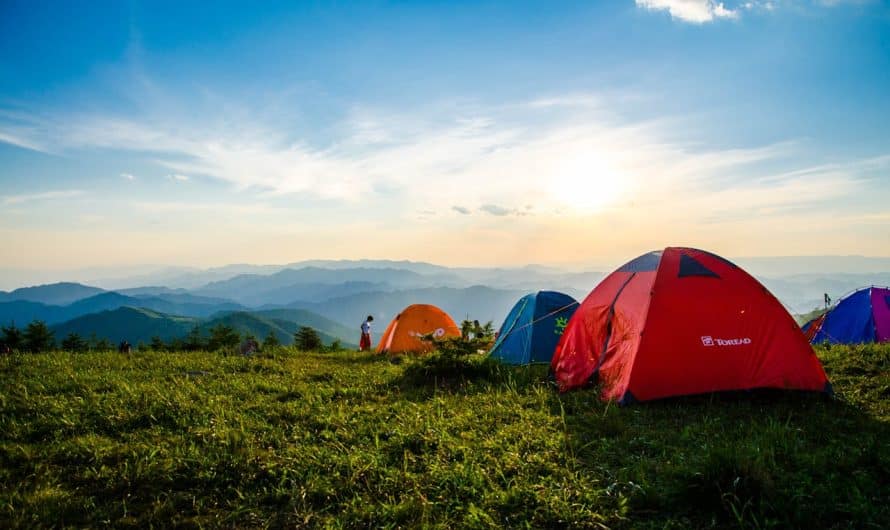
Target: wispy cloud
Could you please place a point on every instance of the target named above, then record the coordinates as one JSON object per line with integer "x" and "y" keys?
{"x": 128, "y": 176}
{"x": 694, "y": 11}
{"x": 570, "y": 153}
{"x": 500, "y": 211}
{"x": 10, "y": 200}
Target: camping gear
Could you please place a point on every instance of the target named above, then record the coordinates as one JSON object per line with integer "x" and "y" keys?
{"x": 533, "y": 327}
{"x": 683, "y": 321}
{"x": 404, "y": 332}
{"x": 860, "y": 317}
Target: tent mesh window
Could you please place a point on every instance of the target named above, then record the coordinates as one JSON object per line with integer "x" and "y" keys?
{"x": 690, "y": 266}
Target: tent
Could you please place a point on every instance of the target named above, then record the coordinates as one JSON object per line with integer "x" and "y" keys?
{"x": 862, "y": 316}
{"x": 810, "y": 328}
{"x": 533, "y": 327}
{"x": 404, "y": 332}
{"x": 683, "y": 321}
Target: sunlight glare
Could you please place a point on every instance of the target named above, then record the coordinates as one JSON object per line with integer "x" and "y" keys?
{"x": 588, "y": 183}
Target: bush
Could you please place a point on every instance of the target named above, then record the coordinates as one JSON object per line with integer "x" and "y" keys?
{"x": 307, "y": 339}
{"x": 74, "y": 343}
{"x": 38, "y": 337}
{"x": 453, "y": 359}
{"x": 223, "y": 337}
{"x": 12, "y": 337}
{"x": 271, "y": 341}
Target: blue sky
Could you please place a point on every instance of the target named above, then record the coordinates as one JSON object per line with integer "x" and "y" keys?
{"x": 465, "y": 133}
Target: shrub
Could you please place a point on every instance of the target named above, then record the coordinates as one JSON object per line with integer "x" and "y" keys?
{"x": 38, "y": 337}
{"x": 307, "y": 339}
{"x": 74, "y": 343}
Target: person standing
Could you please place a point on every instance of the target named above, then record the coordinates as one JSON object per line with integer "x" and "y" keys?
{"x": 364, "y": 343}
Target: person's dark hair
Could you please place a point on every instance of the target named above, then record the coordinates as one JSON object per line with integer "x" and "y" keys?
{"x": 370, "y": 317}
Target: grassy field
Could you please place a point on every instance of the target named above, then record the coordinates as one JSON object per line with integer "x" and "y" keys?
{"x": 356, "y": 441}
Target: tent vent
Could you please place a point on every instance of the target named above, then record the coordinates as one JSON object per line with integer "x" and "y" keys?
{"x": 689, "y": 266}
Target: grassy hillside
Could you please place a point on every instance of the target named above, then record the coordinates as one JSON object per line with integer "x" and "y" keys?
{"x": 259, "y": 325}
{"x": 290, "y": 440}
{"x": 128, "y": 323}
{"x": 314, "y": 320}
{"x": 140, "y": 325}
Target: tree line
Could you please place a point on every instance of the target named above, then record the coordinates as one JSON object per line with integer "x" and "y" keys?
{"x": 37, "y": 337}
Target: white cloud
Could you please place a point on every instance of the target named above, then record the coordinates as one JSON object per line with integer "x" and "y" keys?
{"x": 568, "y": 154}
{"x": 10, "y": 200}
{"x": 694, "y": 11}
{"x": 128, "y": 176}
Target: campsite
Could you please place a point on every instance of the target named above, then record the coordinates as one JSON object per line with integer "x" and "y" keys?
{"x": 547, "y": 424}
{"x": 519, "y": 264}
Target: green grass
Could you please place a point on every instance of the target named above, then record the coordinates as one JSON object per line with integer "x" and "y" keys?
{"x": 357, "y": 441}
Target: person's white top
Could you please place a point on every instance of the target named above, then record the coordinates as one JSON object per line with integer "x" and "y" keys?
{"x": 366, "y": 327}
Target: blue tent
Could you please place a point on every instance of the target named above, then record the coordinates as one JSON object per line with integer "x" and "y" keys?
{"x": 863, "y": 316}
{"x": 533, "y": 327}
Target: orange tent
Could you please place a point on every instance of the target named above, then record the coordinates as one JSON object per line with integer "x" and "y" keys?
{"x": 404, "y": 332}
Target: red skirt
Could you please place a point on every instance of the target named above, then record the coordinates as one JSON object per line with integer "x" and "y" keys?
{"x": 365, "y": 342}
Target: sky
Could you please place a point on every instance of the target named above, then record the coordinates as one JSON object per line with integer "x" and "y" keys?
{"x": 461, "y": 133}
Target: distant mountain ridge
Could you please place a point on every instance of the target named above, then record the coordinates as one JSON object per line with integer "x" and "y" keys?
{"x": 62, "y": 293}
{"x": 312, "y": 284}
{"x": 22, "y": 311}
{"x": 476, "y": 303}
{"x": 140, "y": 325}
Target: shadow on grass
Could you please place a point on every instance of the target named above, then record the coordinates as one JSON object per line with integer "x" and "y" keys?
{"x": 744, "y": 459}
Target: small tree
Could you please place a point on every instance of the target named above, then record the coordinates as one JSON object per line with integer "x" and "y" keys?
{"x": 466, "y": 329}
{"x": 193, "y": 341}
{"x": 157, "y": 344}
{"x": 12, "y": 336}
{"x": 307, "y": 339}
{"x": 74, "y": 343}
{"x": 487, "y": 331}
{"x": 38, "y": 337}
{"x": 271, "y": 341}
{"x": 102, "y": 344}
{"x": 223, "y": 336}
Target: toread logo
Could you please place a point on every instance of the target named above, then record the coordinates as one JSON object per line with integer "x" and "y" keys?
{"x": 708, "y": 340}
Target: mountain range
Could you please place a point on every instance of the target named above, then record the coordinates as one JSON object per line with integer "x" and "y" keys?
{"x": 335, "y": 296}
{"x": 140, "y": 325}
{"x": 26, "y": 310}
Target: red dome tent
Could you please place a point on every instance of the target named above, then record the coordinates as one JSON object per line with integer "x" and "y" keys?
{"x": 683, "y": 321}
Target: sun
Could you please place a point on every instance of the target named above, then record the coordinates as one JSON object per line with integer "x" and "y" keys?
{"x": 587, "y": 183}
